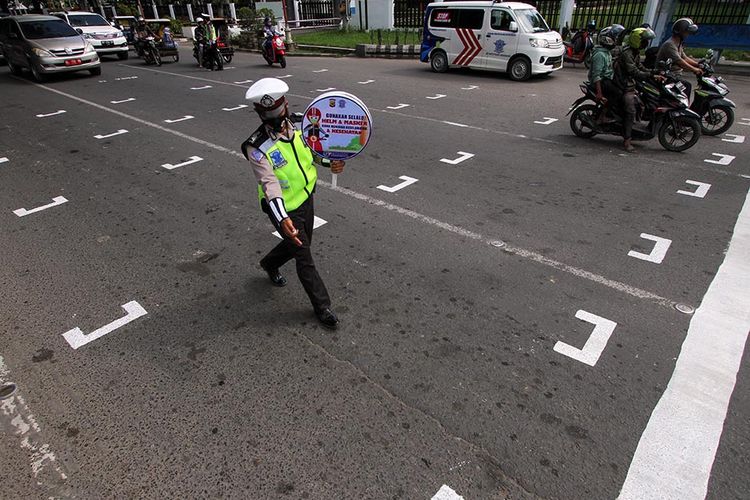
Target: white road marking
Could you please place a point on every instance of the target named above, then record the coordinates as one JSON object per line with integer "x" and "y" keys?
{"x": 229, "y": 67}
{"x": 738, "y": 139}
{"x": 509, "y": 249}
{"x": 661, "y": 245}
{"x": 407, "y": 182}
{"x": 124, "y": 100}
{"x": 285, "y": 76}
{"x": 596, "y": 342}
{"x": 677, "y": 449}
{"x": 51, "y": 114}
{"x": 244, "y": 81}
{"x": 119, "y": 132}
{"x": 3, "y": 159}
{"x": 470, "y": 87}
{"x": 328, "y": 89}
{"x": 241, "y": 106}
{"x": 186, "y": 117}
{"x": 723, "y": 159}
{"x": 366, "y": 82}
{"x": 700, "y": 191}
{"x": 57, "y": 200}
{"x": 400, "y": 106}
{"x": 16, "y": 417}
{"x": 320, "y": 70}
{"x": 454, "y": 124}
{"x": 436, "y": 96}
{"x": 463, "y": 156}
{"x": 102, "y": 81}
{"x": 547, "y": 120}
{"x": 744, "y": 121}
{"x": 201, "y": 88}
{"x": 193, "y": 159}
{"x": 317, "y": 222}
{"x": 76, "y": 337}
{"x": 446, "y": 493}
{"x": 126, "y": 78}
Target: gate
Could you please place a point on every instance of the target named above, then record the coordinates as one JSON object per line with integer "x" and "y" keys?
{"x": 629, "y": 13}
{"x": 550, "y": 10}
{"x": 408, "y": 13}
{"x": 714, "y": 12}
{"x": 317, "y": 9}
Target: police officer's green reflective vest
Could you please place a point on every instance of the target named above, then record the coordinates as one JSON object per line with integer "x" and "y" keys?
{"x": 292, "y": 162}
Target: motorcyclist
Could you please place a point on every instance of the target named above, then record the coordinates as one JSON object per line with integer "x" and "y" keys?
{"x": 628, "y": 71}
{"x": 579, "y": 40}
{"x": 268, "y": 32}
{"x": 142, "y": 31}
{"x": 601, "y": 73}
{"x": 211, "y": 41}
{"x": 674, "y": 49}
{"x": 200, "y": 37}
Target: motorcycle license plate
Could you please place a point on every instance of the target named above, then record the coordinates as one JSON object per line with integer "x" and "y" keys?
{"x": 108, "y": 44}
{"x": 73, "y": 62}
{"x": 680, "y": 86}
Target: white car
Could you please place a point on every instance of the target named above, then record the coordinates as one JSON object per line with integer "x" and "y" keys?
{"x": 106, "y": 39}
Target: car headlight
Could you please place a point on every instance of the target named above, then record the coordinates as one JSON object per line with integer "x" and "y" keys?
{"x": 41, "y": 52}
{"x": 89, "y": 47}
{"x": 119, "y": 34}
{"x": 539, "y": 42}
{"x": 88, "y": 36}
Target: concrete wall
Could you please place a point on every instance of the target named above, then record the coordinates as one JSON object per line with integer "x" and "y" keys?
{"x": 379, "y": 14}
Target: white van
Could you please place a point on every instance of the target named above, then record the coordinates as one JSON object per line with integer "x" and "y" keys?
{"x": 106, "y": 39}
{"x": 490, "y": 35}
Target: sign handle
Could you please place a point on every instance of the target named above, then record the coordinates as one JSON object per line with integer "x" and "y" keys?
{"x": 334, "y": 180}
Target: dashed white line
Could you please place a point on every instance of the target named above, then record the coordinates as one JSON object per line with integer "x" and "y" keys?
{"x": 126, "y": 78}
{"x": 436, "y": 96}
{"x": 320, "y": 70}
{"x": 124, "y": 100}
{"x": 463, "y": 156}
{"x": 244, "y": 81}
{"x": 77, "y": 339}
{"x": 676, "y": 452}
{"x": 700, "y": 191}
{"x": 408, "y": 181}
{"x": 184, "y": 118}
{"x": 657, "y": 254}
{"x": 285, "y": 76}
{"x": 241, "y": 106}
{"x": 744, "y": 121}
{"x": 399, "y": 106}
{"x": 202, "y": 88}
{"x": 55, "y": 113}
{"x": 193, "y": 159}
{"x": 317, "y": 222}
{"x": 723, "y": 159}
{"x": 546, "y": 121}
{"x": 366, "y": 82}
{"x": 596, "y": 342}
{"x": 455, "y": 124}
{"x": 737, "y": 139}
{"x": 327, "y": 89}
{"x": 4, "y": 159}
{"x": 57, "y": 200}
{"x": 107, "y": 136}
{"x": 470, "y": 87}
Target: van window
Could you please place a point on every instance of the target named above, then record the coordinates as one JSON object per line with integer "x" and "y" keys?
{"x": 457, "y": 18}
{"x": 532, "y": 20}
{"x": 83, "y": 20}
{"x": 500, "y": 20}
{"x": 4, "y": 28}
{"x": 37, "y": 30}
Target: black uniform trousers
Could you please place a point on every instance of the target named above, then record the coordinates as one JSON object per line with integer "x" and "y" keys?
{"x": 302, "y": 218}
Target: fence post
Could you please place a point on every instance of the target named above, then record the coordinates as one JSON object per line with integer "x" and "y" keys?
{"x": 662, "y": 20}
{"x": 171, "y": 11}
{"x": 155, "y": 12}
{"x": 233, "y": 11}
{"x": 190, "y": 12}
{"x": 114, "y": 11}
{"x": 210, "y": 9}
{"x": 566, "y": 14}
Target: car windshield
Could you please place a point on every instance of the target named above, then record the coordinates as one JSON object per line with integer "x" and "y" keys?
{"x": 87, "y": 20}
{"x": 531, "y": 20}
{"x": 35, "y": 30}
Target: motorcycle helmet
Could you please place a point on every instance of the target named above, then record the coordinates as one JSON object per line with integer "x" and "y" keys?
{"x": 199, "y": 19}
{"x": 606, "y": 39}
{"x": 617, "y": 31}
{"x": 640, "y": 38}
{"x": 591, "y": 26}
{"x": 266, "y": 21}
{"x": 684, "y": 26}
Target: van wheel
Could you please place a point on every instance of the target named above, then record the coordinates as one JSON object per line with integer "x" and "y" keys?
{"x": 439, "y": 62}
{"x": 15, "y": 70}
{"x": 519, "y": 69}
{"x": 37, "y": 74}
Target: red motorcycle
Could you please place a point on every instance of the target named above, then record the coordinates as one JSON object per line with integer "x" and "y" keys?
{"x": 578, "y": 50}
{"x": 275, "y": 52}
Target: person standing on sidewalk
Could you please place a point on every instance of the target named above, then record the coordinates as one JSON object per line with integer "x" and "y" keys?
{"x": 285, "y": 169}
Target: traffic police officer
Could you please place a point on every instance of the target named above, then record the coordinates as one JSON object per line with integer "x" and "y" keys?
{"x": 285, "y": 169}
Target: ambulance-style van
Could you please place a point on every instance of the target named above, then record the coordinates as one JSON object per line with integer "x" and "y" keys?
{"x": 490, "y": 35}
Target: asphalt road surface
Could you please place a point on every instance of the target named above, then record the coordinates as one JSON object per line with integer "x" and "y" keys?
{"x": 516, "y": 323}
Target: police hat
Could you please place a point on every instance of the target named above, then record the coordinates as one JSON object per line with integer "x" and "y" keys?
{"x": 267, "y": 94}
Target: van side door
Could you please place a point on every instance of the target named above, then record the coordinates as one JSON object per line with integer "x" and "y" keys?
{"x": 469, "y": 30}
{"x": 14, "y": 45}
{"x": 499, "y": 42}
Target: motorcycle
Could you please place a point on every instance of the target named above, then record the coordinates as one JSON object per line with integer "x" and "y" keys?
{"x": 211, "y": 56}
{"x": 585, "y": 45}
{"x": 151, "y": 52}
{"x": 709, "y": 97}
{"x": 663, "y": 106}
{"x": 275, "y": 52}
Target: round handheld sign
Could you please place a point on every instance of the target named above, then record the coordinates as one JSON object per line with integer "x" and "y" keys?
{"x": 337, "y": 126}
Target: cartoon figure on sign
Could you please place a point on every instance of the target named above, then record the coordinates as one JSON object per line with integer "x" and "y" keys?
{"x": 313, "y": 133}
{"x": 499, "y": 46}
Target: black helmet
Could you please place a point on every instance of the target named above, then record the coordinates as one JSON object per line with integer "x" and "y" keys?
{"x": 606, "y": 39}
{"x": 617, "y": 31}
{"x": 591, "y": 26}
{"x": 684, "y": 26}
{"x": 266, "y": 21}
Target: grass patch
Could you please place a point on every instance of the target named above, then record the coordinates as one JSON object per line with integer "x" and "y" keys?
{"x": 350, "y": 39}
{"x": 729, "y": 55}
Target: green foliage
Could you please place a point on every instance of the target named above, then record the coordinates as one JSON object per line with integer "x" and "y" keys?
{"x": 246, "y": 17}
{"x": 176, "y": 26}
{"x": 126, "y": 9}
{"x": 351, "y": 38}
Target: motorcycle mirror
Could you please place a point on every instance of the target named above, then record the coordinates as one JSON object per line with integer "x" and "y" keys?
{"x": 296, "y": 117}
{"x": 80, "y": 31}
{"x": 513, "y": 26}
{"x": 709, "y": 53}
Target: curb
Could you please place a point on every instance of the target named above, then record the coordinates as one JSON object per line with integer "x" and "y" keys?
{"x": 297, "y": 53}
{"x": 388, "y": 51}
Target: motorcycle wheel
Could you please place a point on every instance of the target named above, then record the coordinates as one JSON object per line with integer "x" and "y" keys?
{"x": 219, "y": 62}
{"x": 282, "y": 61}
{"x": 227, "y": 58}
{"x": 681, "y": 136}
{"x": 157, "y": 57}
{"x": 717, "y": 120}
{"x": 582, "y": 121}
{"x": 268, "y": 60}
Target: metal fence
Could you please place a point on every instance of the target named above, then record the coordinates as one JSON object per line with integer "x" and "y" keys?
{"x": 714, "y": 11}
{"x": 606, "y": 12}
{"x": 317, "y": 9}
{"x": 550, "y": 10}
{"x": 408, "y": 13}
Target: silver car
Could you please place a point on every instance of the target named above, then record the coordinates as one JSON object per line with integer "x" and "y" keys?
{"x": 45, "y": 45}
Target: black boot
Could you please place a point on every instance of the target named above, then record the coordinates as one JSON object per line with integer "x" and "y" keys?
{"x": 275, "y": 276}
{"x": 327, "y": 318}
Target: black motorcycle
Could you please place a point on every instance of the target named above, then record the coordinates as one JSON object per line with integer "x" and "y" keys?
{"x": 662, "y": 111}
{"x": 151, "y": 52}
{"x": 211, "y": 56}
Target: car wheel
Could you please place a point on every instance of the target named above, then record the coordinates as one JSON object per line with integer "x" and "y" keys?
{"x": 519, "y": 69}
{"x": 37, "y": 74}
{"x": 439, "y": 61}
{"x": 122, "y": 55}
{"x": 96, "y": 71}
{"x": 15, "y": 70}
{"x": 227, "y": 58}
